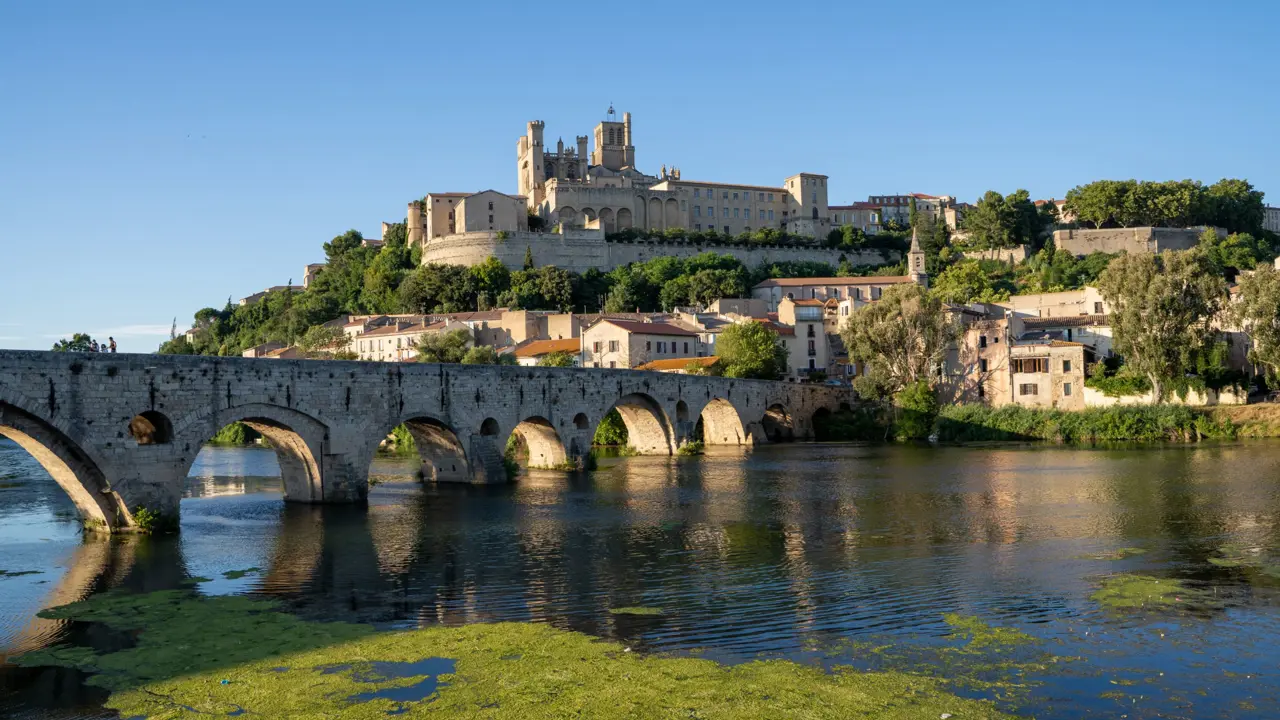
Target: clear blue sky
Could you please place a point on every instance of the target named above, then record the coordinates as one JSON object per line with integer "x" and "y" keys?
{"x": 156, "y": 158}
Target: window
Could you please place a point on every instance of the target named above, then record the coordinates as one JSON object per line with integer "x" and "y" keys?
{"x": 1030, "y": 365}
{"x": 1028, "y": 389}
{"x": 697, "y": 211}
{"x": 612, "y": 364}
{"x": 726, "y": 230}
{"x": 686, "y": 348}
{"x": 595, "y": 347}
{"x": 760, "y": 198}
{"x": 982, "y": 365}
{"x": 1066, "y": 366}
{"x": 697, "y": 226}
{"x": 982, "y": 341}
{"x": 726, "y": 214}
{"x": 813, "y": 349}
{"x": 735, "y": 212}
{"x": 1066, "y": 389}
{"x": 855, "y": 293}
{"x": 762, "y": 214}
{"x": 811, "y": 334}
{"x": 613, "y": 346}
{"x": 648, "y": 346}
{"x": 695, "y": 192}
{"x": 684, "y": 204}
{"x": 770, "y": 197}
{"x": 815, "y": 197}
{"x": 1097, "y": 308}
{"x": 490, "y": 219}
{"x": 490, "y": 206}
{"x": 770, "y": 214}
{"x": 726, "y": 194}
{"x": 735, "y": 196}
{"x": 982, "y": 392}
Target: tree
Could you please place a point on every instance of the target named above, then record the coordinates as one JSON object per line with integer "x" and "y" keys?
{"x": 902, "y": 339}
{"x": 990, "y": 223}
{"x": 1161, "y": 307}
{"x": 1233, "y": 253}
{"x": 486, "y": 355}
{"x": 447, "y": 347}
{"x": 1257, "y": 312}
{"x": 751, "y": 350}
{"x": 556, "y": 359}
{"x": 1234, "y": 205}
{"x": 528, "y": 257}
{"x": 323, "y": 342}
{"x": 79, "y": 342}
{"x": 967, "y": 281}
{"x": 177, "y": 346}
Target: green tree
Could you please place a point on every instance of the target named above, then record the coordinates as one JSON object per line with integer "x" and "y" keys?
{"x": 486, "y": 355}
{"x": 612, "y": 431}
{"x": 1233, "y": 253}
{"x": 324, "y": 342}
{"x": 915, "y": 409}
{"x": 1161, "y": 307}
{"x": 79, "y": 342}
{"x": 528, "y": 257}
{"x": 556, "y": 359}
{"x": 968, "y": 281}
{"x": 1257, "y": 312}
{"x": 902, "y": 339}
{"x": 177, "y": 346}
{"x": 990, "y": 223}
{"x": 1234, "y": 204}
{"x": 448, "y": 347}
{"x": 751, "y": 350}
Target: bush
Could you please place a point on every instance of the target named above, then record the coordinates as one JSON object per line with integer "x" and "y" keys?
{"x": 1133, "y": 423}
{"x": 864, "y": 423}
{"x": 917, "y": 407}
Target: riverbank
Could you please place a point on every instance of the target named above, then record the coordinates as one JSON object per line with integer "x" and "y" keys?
{"x": 1125, "y": 423}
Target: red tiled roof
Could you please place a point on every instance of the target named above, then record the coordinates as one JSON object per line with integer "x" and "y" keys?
{"x": 536, "y": 348}
{"x": 644, "y": 328}
{"x": 677, "y": 363}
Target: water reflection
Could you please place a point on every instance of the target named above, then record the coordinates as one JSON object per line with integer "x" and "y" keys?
{"x": 773, "y": 552}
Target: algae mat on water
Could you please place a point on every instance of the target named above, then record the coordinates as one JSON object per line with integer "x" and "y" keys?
{"x": 234, "y": 656}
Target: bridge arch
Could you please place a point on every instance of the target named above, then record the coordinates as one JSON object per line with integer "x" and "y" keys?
{"x": 297, "y": 438}
{"x": 649, "y": 430}
{"x": 78, "y": 474}
{"x": 440, "y": 449}
{"x": 541, "y": 443}
{"x": 721, "y": 424}
{"x": 778, "y": 424}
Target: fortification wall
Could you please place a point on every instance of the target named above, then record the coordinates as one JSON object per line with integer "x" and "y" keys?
{"x": 1131, "y": 240}
{"x": 581, "y": 250}
{"x": 1009, "y": 255}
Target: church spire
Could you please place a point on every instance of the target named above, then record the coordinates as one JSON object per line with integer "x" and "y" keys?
{"x": 916, "y": 268}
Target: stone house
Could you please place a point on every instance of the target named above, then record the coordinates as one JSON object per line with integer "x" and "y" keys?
{"x": 611, "y": 343}
{"x": 1047, "y": 372}
{"x": 1085, "y": 301}
{"x": 397, "y": 342}
{"x": 860, "y": 289}
{"x": 808, "y": 348}
{"x": 864, "y": 216}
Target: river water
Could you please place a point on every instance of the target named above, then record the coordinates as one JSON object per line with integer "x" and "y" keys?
{"x": 813, "y": 552}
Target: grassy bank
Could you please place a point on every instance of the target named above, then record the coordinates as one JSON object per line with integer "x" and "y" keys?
{"x": 978, "y": 423}
{"x": 228, "y": 656}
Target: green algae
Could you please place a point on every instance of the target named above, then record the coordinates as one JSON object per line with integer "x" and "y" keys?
{"x": 636, "y": 610}
{"x": 979, "y": 634}
{"x": 1136, "y": 592}
{"x": 233, "y": 655}
{"x": 237, "y": 574}
{"x": 1117, "y": 554}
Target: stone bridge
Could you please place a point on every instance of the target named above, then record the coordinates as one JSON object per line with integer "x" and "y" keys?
{"x": 119, "y": 432}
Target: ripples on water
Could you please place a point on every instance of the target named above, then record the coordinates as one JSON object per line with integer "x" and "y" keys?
{"x": 771, "y": 553}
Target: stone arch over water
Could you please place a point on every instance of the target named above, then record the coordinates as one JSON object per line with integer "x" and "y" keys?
{"x": 649, "y": 429}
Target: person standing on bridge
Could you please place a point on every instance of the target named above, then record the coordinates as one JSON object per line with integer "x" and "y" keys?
{"x": 113, "y": 343}
{"x": 93, "y": 346}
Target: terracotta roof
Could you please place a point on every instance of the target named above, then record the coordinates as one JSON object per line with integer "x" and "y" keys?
{"x": 414, "y": 329}
{"x": 677, "y": 363}
{"x": 536, "y": 348}
{"x": 776, "y": 327}
{"x": 834, "y": 281}
{"x": 1065, "y": 321}
{"x": 808, "y": 303}
{"x": 654, "y": 328}
{"x": 923, "y": 196}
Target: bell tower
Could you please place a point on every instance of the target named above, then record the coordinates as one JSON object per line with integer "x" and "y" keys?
{"x": 916, "y": 268}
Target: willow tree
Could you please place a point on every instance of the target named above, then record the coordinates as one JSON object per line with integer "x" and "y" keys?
{"x": 902, "y": 339}
{"x": 1161, "y": 311}
{"x": 1257, "y": 313}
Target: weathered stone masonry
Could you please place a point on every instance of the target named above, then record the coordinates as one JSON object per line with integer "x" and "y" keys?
{"x": 80, "y": 416}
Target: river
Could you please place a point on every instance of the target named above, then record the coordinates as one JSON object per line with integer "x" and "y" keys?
{"x": 812, "y": 552}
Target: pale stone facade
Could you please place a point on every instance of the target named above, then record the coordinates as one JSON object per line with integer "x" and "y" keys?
{"x": 862, "y": 289}
{"x": 1085, "y": 301}
{"x": 808, "y": 348}
{"x": 398, "y": 342}
{"x": 864, "y": 216}
{"x": 620, "y": 344}
{"x": 1271, "y": 219}
{"x": 1048, "y": 374}
{"x": 1134, "y": 240}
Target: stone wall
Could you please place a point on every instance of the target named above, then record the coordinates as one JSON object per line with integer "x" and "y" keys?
{"x": 1194, "y": 398}
{"x": 1011, "y": 255}
{"x": 1131, "y": 240}
{"x": 581, "y": 250}
{"x": 75, "y": 413}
